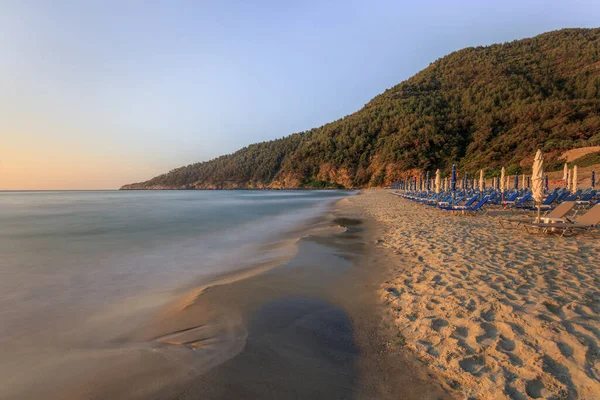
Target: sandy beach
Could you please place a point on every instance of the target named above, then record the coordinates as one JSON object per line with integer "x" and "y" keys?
{"x": 493, "y": 313}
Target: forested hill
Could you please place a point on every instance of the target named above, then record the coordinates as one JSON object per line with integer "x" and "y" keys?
{"x": 481, "y": 107}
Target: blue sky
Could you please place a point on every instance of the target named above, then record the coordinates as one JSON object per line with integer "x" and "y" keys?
{"x": 98, "y": 94}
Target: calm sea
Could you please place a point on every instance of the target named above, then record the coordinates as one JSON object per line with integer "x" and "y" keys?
{"x": 77, "y": 267}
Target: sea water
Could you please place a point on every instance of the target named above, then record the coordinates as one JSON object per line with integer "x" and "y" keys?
{"x": 76, "y": 268}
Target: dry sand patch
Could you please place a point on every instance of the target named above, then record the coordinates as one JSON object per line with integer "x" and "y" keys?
{"x": 497, "y": 313}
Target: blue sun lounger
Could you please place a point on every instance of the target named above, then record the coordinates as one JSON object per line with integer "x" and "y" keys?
{"x": 459, "y": 207}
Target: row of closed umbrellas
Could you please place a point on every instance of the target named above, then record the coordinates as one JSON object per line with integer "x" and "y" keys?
{"x": 503, "y": 182}
{"x": 538, "y": 181}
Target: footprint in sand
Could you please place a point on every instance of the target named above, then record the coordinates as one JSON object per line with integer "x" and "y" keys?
{"x": 506, "y": 344}
{"x": 535, "y": 388}
{"x": 438, "y": 323}
{"x": 565, "y": 349}
{"x": 461, "y": 331}
{"x": 516, "y": 328}
{"x": 513, "y": 393}
{"x": 561, "y": 373}
{"x": 514, "y": 360}
{"x": 489, "y": 335}
{"x": 475, "y": 365}
{"x": 488, "y": 315}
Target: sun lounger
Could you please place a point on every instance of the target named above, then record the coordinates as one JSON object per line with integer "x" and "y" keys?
{"x": 558, "y": 213}
{"x": 585, "y": 222}
{"x": 519, "y": 202}
{"x": 586, "y": 199}
{"x": 455, "y": 207}
{"x": 479, "y": 206}
{"x": 469, "y": 206}
{"x": 546, "y": 204}
{"x": 573, "y": 196}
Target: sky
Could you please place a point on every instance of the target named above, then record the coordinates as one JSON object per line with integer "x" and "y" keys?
{"x": 97, "y": 94}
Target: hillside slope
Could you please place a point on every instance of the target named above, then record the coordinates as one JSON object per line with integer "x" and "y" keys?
{"x": 482, "y": 107}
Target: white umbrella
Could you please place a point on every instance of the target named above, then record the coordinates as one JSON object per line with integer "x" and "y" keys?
{"x": 502, "y": 181}
{"x": 565, "y": 173}
{"x": 537, "y": 177}
{"x": 523, "y": 182}
{"x": 574, "y": 182}
{"x": 569, "y": 179}
{"x": 438, "y": 181}
{"x": 481, "y": 181}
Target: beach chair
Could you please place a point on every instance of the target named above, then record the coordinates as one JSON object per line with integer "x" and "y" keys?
{"x": 455, "y": 206}
{"x": 435, "y": 199}
{"x": 471, "y": 208}
{"x": 558, "y": 213}
{"x": 518, "y": 203}
{"x": 573, "y": 196}
{"x": 586, "y": 199}
{"x": 477, "y": 207}
{"x": 546, "y": 204}
{"x": 510, "y": 197}
{"x": 585, "y": 222}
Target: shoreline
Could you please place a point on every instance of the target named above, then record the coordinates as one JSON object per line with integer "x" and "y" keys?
{"x": 306, "y": 322}
{"x": 337, "y": 341}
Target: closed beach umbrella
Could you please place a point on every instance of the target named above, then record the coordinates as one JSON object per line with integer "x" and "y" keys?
{"x": 453, "y": 179}
{"x": 438, "y": 181}
{"x": 481, "y": 181}
{"x": 427, "y": 180}
{"x": 502, "y": 180}
{"x": 593, "y": 179}
{"x": 453, "y": 182}
{"x": 538, "y": 181}
{"x": 523, "y": 182}
{"x": 574, "y": 184}
{"x": 569, "y": 179}
{"x": 516, "y": 181}
{"x": 566, "y": 173}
